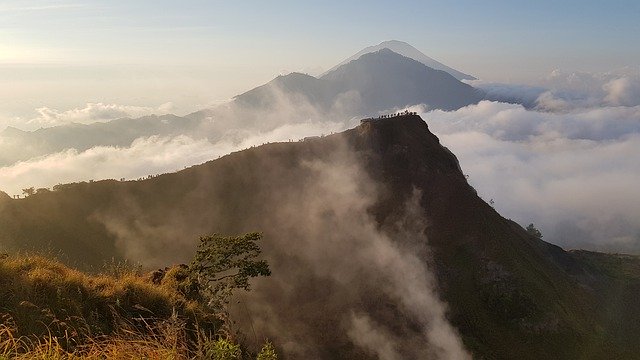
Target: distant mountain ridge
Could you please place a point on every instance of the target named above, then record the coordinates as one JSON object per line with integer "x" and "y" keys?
{"x": 409, "y": 51}
{"x": 386, "y": 79}
{"x": 381, "y": 80}
{"x": 24, "y": 145}
{"x": 377, "y": 81}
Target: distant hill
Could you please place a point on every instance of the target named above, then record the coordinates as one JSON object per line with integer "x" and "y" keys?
{"x": 350, "y": 221}
{"x": 409, "y": 51}
{"x": 316, "y": 91}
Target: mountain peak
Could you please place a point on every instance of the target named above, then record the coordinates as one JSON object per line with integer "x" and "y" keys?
{"x": 10, "y": 130}
{"x": 391, "y": 80}
{"x": 409, "y": 51}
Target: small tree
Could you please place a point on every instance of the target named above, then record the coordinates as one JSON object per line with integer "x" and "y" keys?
{"x": 533, "y": 231}
{"x": 29, "y": 191}
{"x": 223, "y": 349}
{"x": 268, "y": 352}
{"x": 223, "y": 264}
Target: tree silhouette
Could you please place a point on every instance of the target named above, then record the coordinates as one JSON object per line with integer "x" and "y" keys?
{"x": 533, "y": 231}
{"x": 223, "y": 264}
{"x": 29, "y": 191}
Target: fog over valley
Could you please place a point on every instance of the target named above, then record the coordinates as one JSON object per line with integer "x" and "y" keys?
{"x": 385, "y": 181}
{"x": 533, "y": 156}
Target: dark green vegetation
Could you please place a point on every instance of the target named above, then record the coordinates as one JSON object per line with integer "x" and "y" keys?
{"x": 510, "y": 294}
{"x": 224, "y": 264}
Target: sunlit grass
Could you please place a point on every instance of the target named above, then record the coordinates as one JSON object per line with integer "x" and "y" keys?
{"x": 50, "y": 311}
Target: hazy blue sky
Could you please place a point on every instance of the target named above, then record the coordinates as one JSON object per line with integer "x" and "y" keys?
{"x": 65, "y": 53}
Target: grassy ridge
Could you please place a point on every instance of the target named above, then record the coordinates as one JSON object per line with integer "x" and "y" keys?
{"x": 51, "y": 311}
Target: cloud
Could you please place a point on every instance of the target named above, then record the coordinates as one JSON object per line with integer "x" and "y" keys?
{"x": 90, "y": 113}
{"x": 622, "y": 92}
{"x": 569, "y": 91}
{"x": 562, "y": 91}
{"x": 365, "y": 333}
{"x": 220, "y": 130}
{"x": 574, "y": 174}
{"x": 564, "y": 164}
{"x": 337, "y": 239}
{"x": 93, "y": 112}
{"x": 331, "y": 257}
{"x": 526, "y": 95}
{"x": 145, "y": 156}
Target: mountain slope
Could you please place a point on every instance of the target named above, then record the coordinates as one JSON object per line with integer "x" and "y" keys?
{"x": 349, "y": 220}
{"x": 374, "y": 82}
{"x": 409, "y": 51}
{"x": 317, "y": 92}
{"x": 385, "y": 79}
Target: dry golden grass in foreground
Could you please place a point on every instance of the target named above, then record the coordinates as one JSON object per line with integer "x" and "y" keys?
{"x": 170, "y": 344}
{"x": 50, "y": 311}
{"x": 41, "y": 297}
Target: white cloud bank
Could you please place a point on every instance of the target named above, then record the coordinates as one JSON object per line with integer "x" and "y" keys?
{"x": 90, "y": 113}
{"x": 145, "y": 156}
{"x": 569, "y": 164}
{"x": 565, "y": 91}
{"x": 574, "y": 174}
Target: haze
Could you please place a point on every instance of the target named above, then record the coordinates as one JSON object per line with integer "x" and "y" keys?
{"x": 561, "y": 85}
{"x": 187, "y": 55}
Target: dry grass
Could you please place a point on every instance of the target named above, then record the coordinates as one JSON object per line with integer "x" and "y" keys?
{"x": 168, "y": 343}
{"x": 50, "y": 311}
{"x": 171, "y": 344}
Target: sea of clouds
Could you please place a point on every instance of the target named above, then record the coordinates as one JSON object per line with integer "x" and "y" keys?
{"x": 567, "y": 160}
{"x": 562, "y": 154}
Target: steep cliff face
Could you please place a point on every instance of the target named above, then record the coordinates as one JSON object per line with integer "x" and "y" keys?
{"x": 373, "y": 233}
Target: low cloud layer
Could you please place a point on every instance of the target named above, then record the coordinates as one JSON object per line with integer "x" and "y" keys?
{"x": 29, "y": 160}
{"x": 566, "y": 161}
{"x": 571, "y": 173}
{"x": 566, "y": 91}
{"x": 90, "y": 113}
{"x": 145, "y": 156}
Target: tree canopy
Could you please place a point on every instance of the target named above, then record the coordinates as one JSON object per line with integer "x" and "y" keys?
{"x": 225, "y": 263}
{"x": 533, "y": 231}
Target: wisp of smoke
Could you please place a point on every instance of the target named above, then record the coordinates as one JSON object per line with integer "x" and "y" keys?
{"x": 338, "y": 240}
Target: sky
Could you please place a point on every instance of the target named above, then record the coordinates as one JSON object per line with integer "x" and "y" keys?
{"x": 185, "y": 55}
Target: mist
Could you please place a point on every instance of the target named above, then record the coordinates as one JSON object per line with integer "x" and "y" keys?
{"x": 339, "y": 240}
{"x": 44, "y": 159}
{"x": 570, "y": 172}
{"x": 326, "y": 249}
{"x": 562, "y": 91}
{"x": 560, "y": 160}
{"x": 146, "y": 156}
